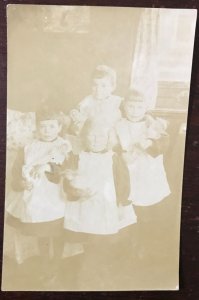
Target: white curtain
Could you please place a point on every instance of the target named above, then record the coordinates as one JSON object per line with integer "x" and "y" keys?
{"x": 144, "y": 75}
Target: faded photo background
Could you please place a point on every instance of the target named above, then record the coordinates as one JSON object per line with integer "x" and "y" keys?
{"x": 52, "y": 54}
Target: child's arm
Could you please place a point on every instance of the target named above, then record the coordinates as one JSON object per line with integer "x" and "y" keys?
{"x": 69, "y": 166}
{"x": 73, "y": 183}
{"x": 159, "y": 146}
{"x": 121, "y": 180}
{"x": 18, "y": 183}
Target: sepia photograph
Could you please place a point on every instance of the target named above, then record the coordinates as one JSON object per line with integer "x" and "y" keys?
{"x": 97, "y": 105}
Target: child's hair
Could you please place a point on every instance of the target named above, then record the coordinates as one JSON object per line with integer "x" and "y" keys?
{"x": 134, "y": 96}
{"x": 102, "y": 71}
{"x": 47, "y": 113}
{"x": 93, "y": 124}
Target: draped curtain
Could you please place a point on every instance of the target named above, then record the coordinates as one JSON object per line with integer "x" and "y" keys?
{"x": 144, "y": 74}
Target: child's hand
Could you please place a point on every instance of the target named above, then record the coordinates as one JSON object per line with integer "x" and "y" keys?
{"x": 39, "y": 170}
{"x": 76, "y": 116}
{"x": 78, "y": 120}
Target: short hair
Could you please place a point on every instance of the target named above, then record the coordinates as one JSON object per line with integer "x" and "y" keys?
{"x": 134, "y": 95}
{"x": 46, "y": 113}
{"x": 102, "y": 71}
{"x": 94, "y": 124}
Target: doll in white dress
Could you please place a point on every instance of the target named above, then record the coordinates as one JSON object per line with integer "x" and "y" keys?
{"x": 36, "y": 203}
{"x": 142, "y": 139}
{"x": 101, "y": 102}
{"x": 95, "y": 205}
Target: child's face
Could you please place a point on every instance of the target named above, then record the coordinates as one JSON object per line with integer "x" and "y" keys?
{"x": 102, "y": 88}
{"x": 49, "y": 130}
{"x": 96, "y": 141}
{"x": 134, "y": 111}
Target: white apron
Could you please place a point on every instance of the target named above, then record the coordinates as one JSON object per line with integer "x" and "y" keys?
{"x": 45, "y": 202}
{"x": 99, "y": 213}
{"x": 148, "y": 179}
{"x": 108, "y": 109}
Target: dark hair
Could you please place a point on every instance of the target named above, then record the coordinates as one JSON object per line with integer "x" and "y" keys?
{"x": 134, "y": 96}
{"x": 102, "y": 71}
{"x": 46, "y": 113}
{"x": 96, "y": 123}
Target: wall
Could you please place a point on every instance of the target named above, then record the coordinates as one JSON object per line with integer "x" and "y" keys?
{"x": 55, "y": 62}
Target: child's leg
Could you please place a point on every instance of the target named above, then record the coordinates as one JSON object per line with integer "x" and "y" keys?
{"x": 56, "y": 261}
{"x": 58, "y": 247}
{"x": 44, "y": 246}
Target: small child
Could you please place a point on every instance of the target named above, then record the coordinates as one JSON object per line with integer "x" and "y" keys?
{"x": 101, "y": 102}
{"x": 142, "y": 139}
{"x": 97, "y": 186}
{"x": 37, "y": 204}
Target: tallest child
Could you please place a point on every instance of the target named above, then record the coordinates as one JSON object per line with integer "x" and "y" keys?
{"x": 101, "y": 102}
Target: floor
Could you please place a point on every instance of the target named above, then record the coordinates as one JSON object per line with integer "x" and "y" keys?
{"x": 141, "y": 257}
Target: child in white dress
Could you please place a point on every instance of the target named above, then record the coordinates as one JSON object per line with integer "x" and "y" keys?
{"x": 36, "y": 206}
{"x": 101, "y": 102}
{"x": 142, "y": 139}
{"x": 95, "y": 205}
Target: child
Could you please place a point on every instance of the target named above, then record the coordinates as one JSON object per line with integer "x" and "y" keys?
{"x": 97, "y": 188}
{"x": 101, "y": 102}
{"x": 142, "y": 139}
{"x": 37, "y": 206}
{"x": 95, "y": 205}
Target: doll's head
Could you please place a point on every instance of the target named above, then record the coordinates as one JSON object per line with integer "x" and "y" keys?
{"x": 48, "y": 124}
{"x": 95, "y": 136}
{"x": 134, "y": 106}
{"x": 103, "y": 82}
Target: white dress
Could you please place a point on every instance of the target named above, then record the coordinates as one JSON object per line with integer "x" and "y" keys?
{"x": 45, "y": 201}
{"x": 108, "y": 110}
{"x": 98, "y": 213}
{"x": 148, "y": 179}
